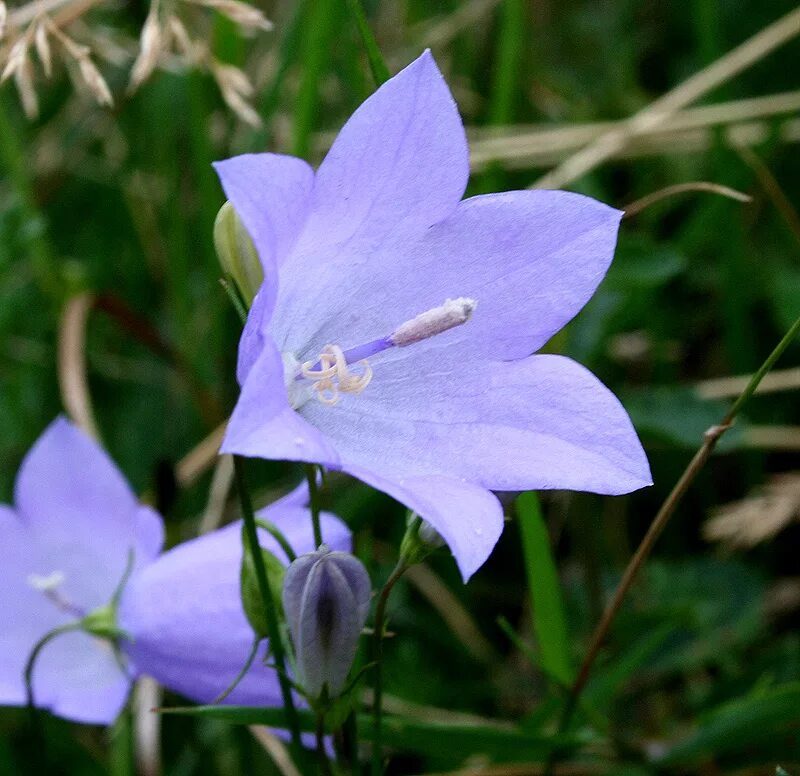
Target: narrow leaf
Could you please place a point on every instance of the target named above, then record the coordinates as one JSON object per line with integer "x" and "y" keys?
{"x": 549, "y": 622}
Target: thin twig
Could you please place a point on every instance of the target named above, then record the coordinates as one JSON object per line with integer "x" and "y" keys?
{"x": 660, "y": 521}
{"x": 72, "y": 373}
{"x": 772, "y": 188}
{"x": 643, "y": 203}
{"x": 687, "y": 92}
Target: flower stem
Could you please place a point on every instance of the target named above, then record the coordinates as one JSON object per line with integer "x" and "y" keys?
{"x": 377, "y": 65}
{"x": 266, "y": 596}
{"x": 313, "y": 501}
{"x": 322, "y": 756}
{"x": 712, "y": 436}
{"x": 377, "y": 700}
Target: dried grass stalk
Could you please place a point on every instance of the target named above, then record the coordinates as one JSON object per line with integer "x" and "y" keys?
{"x": 240, "y": 13}
{"x": 151, "y": 46}
{"x": 745, "y": 523}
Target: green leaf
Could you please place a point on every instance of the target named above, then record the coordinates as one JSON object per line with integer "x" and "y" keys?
{"x": 771, "y": 716}
{"x": 497, "y": 741}
{"x": 678, "y": 416}
{"x": 549, "y": 622}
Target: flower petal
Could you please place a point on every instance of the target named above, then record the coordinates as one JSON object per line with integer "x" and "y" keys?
{"x": 78, "y": 677}
{"x": 271, "y": 194}
{"x": 542, "y": 422}
{"x": 468, "y": 517}
{"x": 25, "y": 613}
{"x": 78, "y": 504}
{"x": 264, "y": 426}
{"x": 530, "y": 259}
{"x": 75, "y": 676}
{"x": 185, "y": 615}
{"x": 399, "y": 165}
{"x": 149, "y": 533}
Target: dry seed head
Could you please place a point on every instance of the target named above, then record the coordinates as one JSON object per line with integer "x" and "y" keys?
{"x": 43, "y": 48}
{"x": 179, "y": 33}
{"x": 150, "y": 48}
{"x": 23, "y": 78}
{"x": 96, "y": 83}
{"x": 235, "y": 88}
{"x": 240, "y": 13}
{"x": 18, "y": 53}
{"x": 3, "y": 18}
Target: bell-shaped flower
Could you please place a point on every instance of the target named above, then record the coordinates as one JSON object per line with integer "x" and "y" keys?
{"x": 65, "y": 548}
{"x": 326, "y": 599}
{"x": 392, "y": 335}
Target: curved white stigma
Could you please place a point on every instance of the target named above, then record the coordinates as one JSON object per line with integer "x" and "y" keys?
{"x": 333, "y": 377}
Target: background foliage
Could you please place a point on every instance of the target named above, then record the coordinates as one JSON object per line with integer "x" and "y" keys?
{"x": 702, "y": 670}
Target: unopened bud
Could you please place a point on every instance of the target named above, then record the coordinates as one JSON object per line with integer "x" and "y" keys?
{"x": 420, "y": 540}
{"x": 326, "y": 599}
{"x": 452, "y": 313}
{"x": 236, "y": 253}
{"x": 252, "y": 602}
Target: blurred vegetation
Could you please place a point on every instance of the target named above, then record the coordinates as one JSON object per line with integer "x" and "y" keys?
{"x": 702, "y": 670}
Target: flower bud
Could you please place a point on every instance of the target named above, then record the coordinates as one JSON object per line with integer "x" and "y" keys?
{"x": 420, "y": 540}
{"x": 252, "y": 602}
{"x": 236, "y": 253}
{"x": 326, "y": 598}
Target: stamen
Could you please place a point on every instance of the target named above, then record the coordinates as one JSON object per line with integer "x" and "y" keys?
{"x": 330, "y": 372}
{"x": 331, "y": 375}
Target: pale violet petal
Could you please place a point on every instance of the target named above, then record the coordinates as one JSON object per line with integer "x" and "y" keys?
{"x": 81, "y": 509}
{"x": 75, "y": 676}
{"x": 529, "y": 259}
{"x": 271, "y": 195}
{"x": 468, "y": 517}
{"x": 264, "y": 426}
{"x": 149, "y": 534}
{"x": 542, "y": 422}
{"x": 398, "y": 166}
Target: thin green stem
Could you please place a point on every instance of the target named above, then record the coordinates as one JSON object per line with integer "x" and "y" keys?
{"x": 276, "y": 644}
{"x": 313, "y": 502}
{"x": 275, "y": 533}
{"x": 245, "y": 668}
{"x": 34, "y": 655}
{"x": 377, "y": 699}
{"x": 377, "y": 64}
{"x": 322, "y": 755}
{"x": 712, "y": 436}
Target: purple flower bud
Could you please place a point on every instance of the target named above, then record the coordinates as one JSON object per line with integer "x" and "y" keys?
{"x": 326, "y": 598}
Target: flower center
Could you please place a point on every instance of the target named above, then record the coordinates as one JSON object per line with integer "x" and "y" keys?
{"x": 331, "y": 374}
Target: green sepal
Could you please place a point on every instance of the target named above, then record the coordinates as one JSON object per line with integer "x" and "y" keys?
{"x": 252, "y": 602}
{"x": 419, "y": 541}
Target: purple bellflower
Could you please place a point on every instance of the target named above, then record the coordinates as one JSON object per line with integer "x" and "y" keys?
{"x": 66, "y": 546}
{"x": 392, "y": 335}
